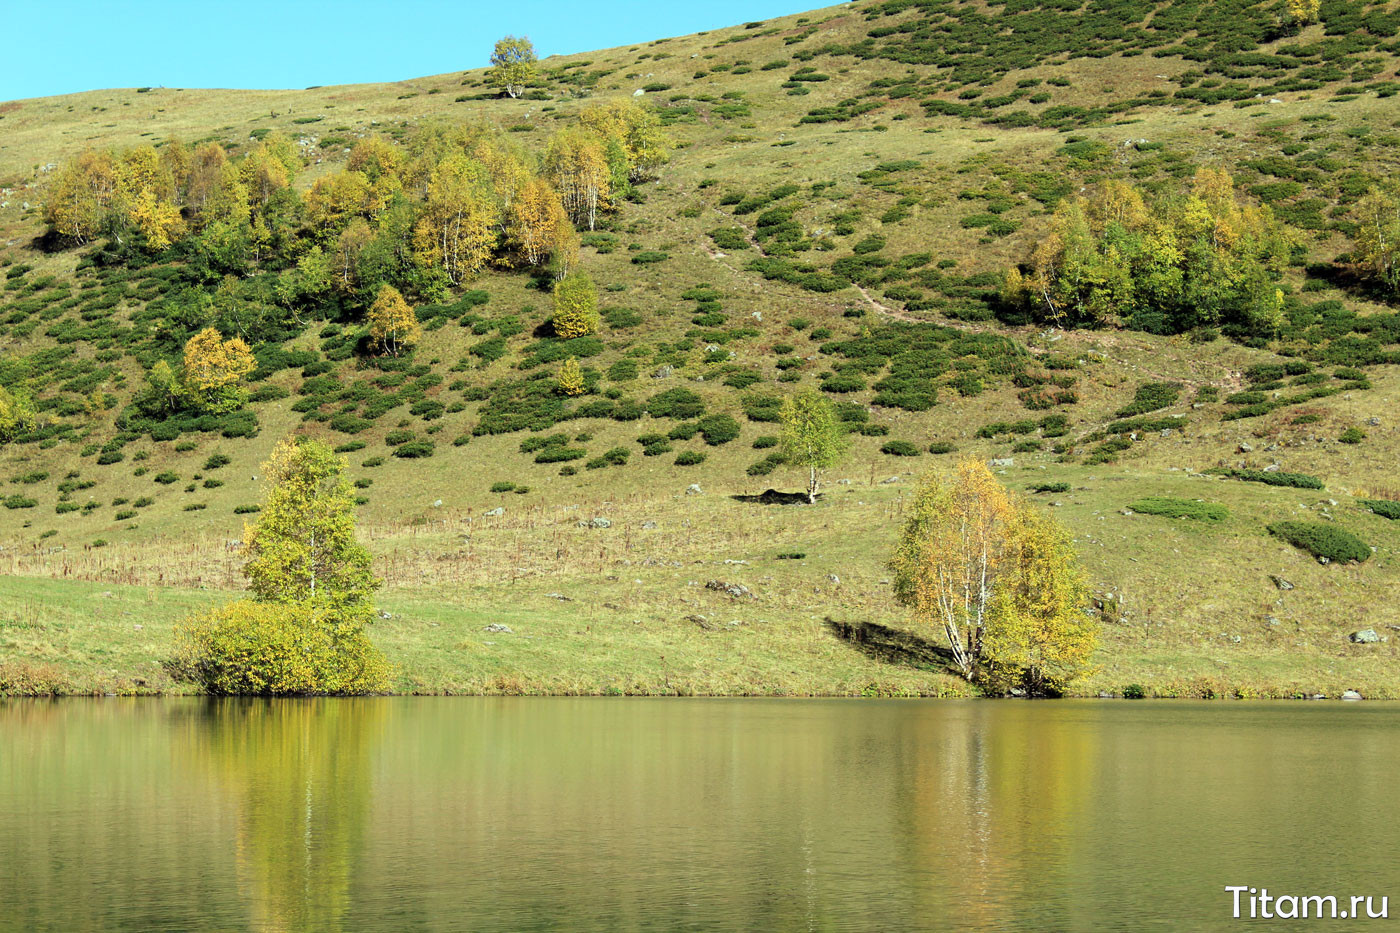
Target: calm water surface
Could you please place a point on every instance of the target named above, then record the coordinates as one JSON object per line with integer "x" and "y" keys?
{"x": 562, "y": 814}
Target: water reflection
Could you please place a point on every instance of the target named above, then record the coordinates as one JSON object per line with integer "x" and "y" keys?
{"x": 298, "y": 776}
{"x": 520, "y": 814}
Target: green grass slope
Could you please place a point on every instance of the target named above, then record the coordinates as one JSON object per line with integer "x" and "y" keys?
{"x": 848, "y": 187}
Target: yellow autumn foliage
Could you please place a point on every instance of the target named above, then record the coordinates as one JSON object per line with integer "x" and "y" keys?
{"x": 997, "y": 580}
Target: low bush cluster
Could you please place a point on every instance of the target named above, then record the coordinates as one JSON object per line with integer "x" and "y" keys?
{"x": 1326, "y": 542}
{"x": 1170, "y": 507}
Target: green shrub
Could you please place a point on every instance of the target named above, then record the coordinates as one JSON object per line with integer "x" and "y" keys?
{"x": 166, "y": 477}
{"x": 1352, "y": 436}
{"x": 502, "y": 486}
{"x": 675, "y": 403}
{"x": 1181, "y": 508}
{"x": 718, "y": 429}
{"x": 1134, "y": 692}
{"x": 1294, "y": 480}
{"x": 280, "y": 649}
{"x": 941, "y": 447}
{"x": 415, "y": 450}
{"x": 16, "y": 501}
{"x": 900, "y": 449}
{"x": 1385, "y": 508}
{"x": 1050, "y": 487}
{"x": 684, "y": 431}
{"x": 689, "y": 458}
{"x": 1322, "y": 540}
{"x": 560, "y": 454}
{"x": 1151, "y": 396}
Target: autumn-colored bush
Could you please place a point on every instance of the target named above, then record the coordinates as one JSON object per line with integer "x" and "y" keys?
{"x": 27, "y": 679}
{"x": 299, "y": 648}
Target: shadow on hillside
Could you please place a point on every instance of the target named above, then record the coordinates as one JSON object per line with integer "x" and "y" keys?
{"x": 1351, "y": 279}
{"x": 774, "y": 497}
{"x": 891, "y": 645}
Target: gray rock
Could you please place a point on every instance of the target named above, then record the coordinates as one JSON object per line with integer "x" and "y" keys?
{"x": 1366, "y": 636}
{"x": 1245, "y": 447}
{"x": 1351, "y": 695}
{"x": 1272, "y": 468}
{"x": 833, "y": 578}
{"x": 1374, "y": 422}
{"x": 1002, "y": 462}
{"x": 702, "y": 621}
{"x": 437, "y": 503}
{"x": 498, "y": 510}
{"x": 694, "y": 490}
{"x": 648, "y": 526}
{"x": 1281, "y": 583}
{"x": 594, "y": 523}
{"x": 734, "y": 590}
{"x": 663, "y": 372}
{"x": 386, "y": 616}
{"x": 499, "y": 628}
{"x": 892, "y": 479}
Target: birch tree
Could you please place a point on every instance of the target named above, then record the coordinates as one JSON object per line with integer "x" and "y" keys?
{"x": 998, "y": 580}
{"x": 812, "y": 436}
{"x": 512, "y": 65}
{"x": 303, "y": 545}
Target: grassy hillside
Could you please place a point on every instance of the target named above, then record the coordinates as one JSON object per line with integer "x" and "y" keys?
{"x": 848, "y": 188}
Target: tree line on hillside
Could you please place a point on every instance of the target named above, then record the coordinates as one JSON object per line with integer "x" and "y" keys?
{"x": 423, "y": 216}
{"x": 1204, "y": 258}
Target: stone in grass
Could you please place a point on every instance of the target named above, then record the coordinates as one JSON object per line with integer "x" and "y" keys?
{"x": 1351, "y": 695}
{"x": 693, "y": 489}
{"x": 735, "y": 590}
{"x": 1366, "y": 636}
{"x": 594, "y": 523}
{"x": 498, "y": 510}
{"x": 499, "y": 628}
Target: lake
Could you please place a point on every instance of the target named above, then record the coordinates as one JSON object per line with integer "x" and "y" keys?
{"x": 639, "y": 814}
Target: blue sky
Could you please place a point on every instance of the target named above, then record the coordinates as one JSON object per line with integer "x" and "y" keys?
{"x": 62, "y": 47}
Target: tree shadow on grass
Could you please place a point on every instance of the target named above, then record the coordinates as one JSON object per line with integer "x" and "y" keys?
{"x": 892, "y": 646}
{"x": 774, "y": 497}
